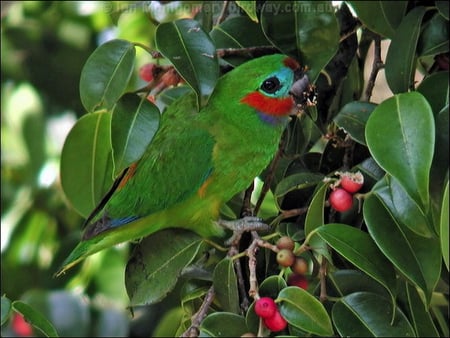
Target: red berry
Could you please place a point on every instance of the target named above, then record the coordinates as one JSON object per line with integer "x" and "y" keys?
{"x": 298, "y": 280}
{"x": 285, "y": 242}
{"x": 276, "y": 322}
{"x": 341, "y": 200}
{"x": 285, "y": 257}
{"x": 146, "y": 72}
{"x": 265, "y": 307}
{"x": 352, "y": 182}
{"x": 20, "y": 326}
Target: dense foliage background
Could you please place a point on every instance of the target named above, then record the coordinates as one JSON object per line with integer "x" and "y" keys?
{"x": 381, "y": 75}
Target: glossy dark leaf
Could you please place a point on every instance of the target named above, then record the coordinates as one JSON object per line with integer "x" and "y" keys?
{"x": 401, "y": 56}
{"x": 192, "y": 53}
{"x": 418, "y": 258}
{"x": 223, "y": 324}
{"x": 365, "y": 314}
{"x": 304, "y": 311}
{"x": 358, "y": 248}
{"x": 86, "y": 162}
{"x": 395, "y": 142}
{"x": 353, "y": 118}
{"x": 106, "y": 73}
{"x": 433, "y": 39}
{"x": 444, "y": 225}
{"x": 382, "y": 17}
{"x": 5, "y": 309}
{"x": 435, "y": 88}
{"x": 134, "y": 123}
{"x": 306, "y": 30}
{"x": 225, "y": 285}
{"x": 155, "y": 266}
{"x": 443, "y": 8}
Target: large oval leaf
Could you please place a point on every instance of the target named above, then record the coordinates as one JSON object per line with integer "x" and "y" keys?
{"x": 444, "y": 225}
{"x": 134, "y": 123}
{"x": 434, "y": 37}
{"x": 401, "y": 56}
{"x": 155, "y": 266}
{"x": 435, "y": 88}
{"x": 223, "y": 324}
{"x": 358, "y": 248}
{"x": 382, "y": 17}
{"x": 365, "y": 314}
{"x": 418, "y": 258}
{"x": 306, "y": 30}
{"x": 304, "y": 311}
{"x": 192, "y": 53}
{"x": 353, "y": 118}
{"x": 400, "y": 136}
{"x": 225, "y": 285}
{"x": 86, "y": 162}
{"x": 106, "y": 73}
{"x": 35, "y": 318}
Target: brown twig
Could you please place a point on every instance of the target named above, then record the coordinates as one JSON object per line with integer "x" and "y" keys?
{"x": 322, "y": 275}
{"x": 223, "y": 13}
{"x": 197, "y": 318}
{"x": 376, "y": 66}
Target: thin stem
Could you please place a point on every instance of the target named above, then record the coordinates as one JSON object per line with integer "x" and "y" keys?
{"x": 223, "y": 13}
{"x": 376, "y": 66}
{"x": 197, "y": 318}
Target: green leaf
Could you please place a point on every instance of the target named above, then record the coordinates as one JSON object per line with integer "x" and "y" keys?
{"x": 315, "y": 218}
{"x": 297, "y": 181}
{"x": 443, "y": 8}
{"x": 238, "y": 32}
{"x": 402, "y": 207}
{"x": 157, "y": 263}
{"x": 353, "y": 118}
{"x": 416, "y": 257}
{"x": 365, "y": 314}
{"x": 399, "y": 146}
{"x": 382, "y": 17}
{"x": 6, "y": 309}
{"x": 223, "y": 324}
{"x": 444, "y": 233}
{"x": 304, "y": 311}
{"x": 106, "y": 74}
{"x": 86, "y": 162}
{"x": 225, "y": 285}
{"x": 192, "y": 53}
{"x": 134, "y": 122}
{"x": 271, "y": 286}
{"x": 435, "y": 88}
{"x": 359, "y": 249}
{"x": 35, "y": 318}
{"x": 401, "y": 56}
{"x": 419, "y": 314}
{"x": 249, "y": 7}
{"x": 306, "y": 30}
{"x": 433, "y": 39}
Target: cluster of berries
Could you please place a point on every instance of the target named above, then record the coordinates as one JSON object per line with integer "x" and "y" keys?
{"x": 267, "y": 309}
{"x": 341, "y": 198}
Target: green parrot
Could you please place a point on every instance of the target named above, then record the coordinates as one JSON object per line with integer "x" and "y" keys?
{"x": 198, "y": 160}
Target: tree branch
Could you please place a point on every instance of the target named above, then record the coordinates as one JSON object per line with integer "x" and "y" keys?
{"x": 193, "y": 330}
{"x": 376, "y": 66}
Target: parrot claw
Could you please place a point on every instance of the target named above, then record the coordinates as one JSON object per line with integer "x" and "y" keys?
{"x": 242, "y": 225}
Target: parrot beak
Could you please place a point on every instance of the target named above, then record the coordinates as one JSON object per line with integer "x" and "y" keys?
{"x": 303, "y": 92}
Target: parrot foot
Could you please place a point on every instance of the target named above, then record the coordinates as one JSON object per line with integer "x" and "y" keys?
{"x": 242, "y": 225}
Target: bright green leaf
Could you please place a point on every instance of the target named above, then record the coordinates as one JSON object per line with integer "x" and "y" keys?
{"x": 304, "y": 311}
{"x": 306, "y": 30}
{"x": 365, "y": 314}
{"x": 418, "y": 258}
{"x": 35, "y": 318}
{"x": 382, "y": 17}
{"x": 192, "y": 53}
{"x": 444, "y": 233}
{"x": 353, "y": 118}
{"x": 249, "y": 7}
{"x": 106, "y": 74}
{"x": 155, "y": 266}
{"x": 401, "y": 56}
{"x": 134, "y": 122}
{"x": 225, "y": 285}
{"x": 400, "y": 136}
{"x": 86, "y": 162}
{"x": 358, "y": 248}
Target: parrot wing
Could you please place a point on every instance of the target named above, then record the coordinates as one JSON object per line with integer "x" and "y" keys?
{"x": 174, "y": 167}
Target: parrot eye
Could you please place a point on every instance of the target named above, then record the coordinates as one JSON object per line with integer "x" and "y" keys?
{"x": 271, "y": 85}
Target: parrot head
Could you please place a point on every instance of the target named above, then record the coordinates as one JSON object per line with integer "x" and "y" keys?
{"x": 268, "y": 85}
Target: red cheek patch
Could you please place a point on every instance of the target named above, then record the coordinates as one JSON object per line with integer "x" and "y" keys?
{"x": 291, "y": 63}
{"x": 269, "y": 105}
